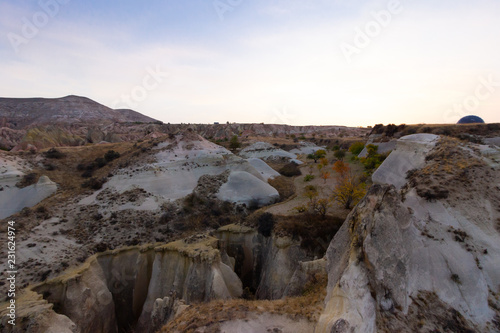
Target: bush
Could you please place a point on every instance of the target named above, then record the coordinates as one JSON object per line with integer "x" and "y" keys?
{"x": 373, "y": 160}
{"x": 409, "y": 131}
{"x": 111, "y": 155}
{"x": 234, "y": 143}
{"x": 433, "y": 193}
{"x": 100, "y": 162}
{"x": 356, "y": 148}
{"x": 290, "y": 170}
{"x": 27, "y": 180}
{"x": 87, "y": 174}
{"x": 49, "y": 166}
{"x": 53, "y": 153}
{"x": 265, "y": 224}
{"x": 26, "y": 211}
{"x": 284, "y": 186}
{"x": 42, "y": 212}
{"x": 308, "y": 178}
{"x": 94, "y": 183}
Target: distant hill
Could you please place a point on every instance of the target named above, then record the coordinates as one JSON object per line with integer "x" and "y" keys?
{"x": 21, "y": 113}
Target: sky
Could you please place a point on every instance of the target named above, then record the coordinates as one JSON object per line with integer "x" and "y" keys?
{"x": 315, "y": 62}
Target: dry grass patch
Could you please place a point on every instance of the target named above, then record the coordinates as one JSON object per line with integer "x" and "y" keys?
{"x": 285, "y": 186}
{"x": 309, "y": 306}
{"x": 449, "y": 164}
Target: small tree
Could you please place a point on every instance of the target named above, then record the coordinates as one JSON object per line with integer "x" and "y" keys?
{"x": 340, "y": 168}
{"x": 311, "y": 192}
{"x": 325, "y": 175}
{"x": 318, "y": 154}
{"x": 348, "y": 190}
{"x": 339, "y": 154}
{"x": 320, "y": 206}
{"x": 234, "y": 143}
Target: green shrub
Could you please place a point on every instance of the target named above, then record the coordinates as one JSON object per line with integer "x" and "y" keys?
{"x": 111, "y": 155}
{"x": 373, "y": 159}
{"x": 234, "y": 143}
{"x": 308, "y": 178}
{"x": 356, "y": 148}
{"x": 100, "y": 162}
{"x": 339, "y": 154}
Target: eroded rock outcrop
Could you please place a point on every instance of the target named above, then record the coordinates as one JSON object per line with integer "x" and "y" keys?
{"x": 265, "y": 265}
{"x": 137, "y": 287}
{"x": 175, "y": 166}
{"x": 189, "y": 271}
{"x": 13, "y": 198}
{"x": 414, "y": 260}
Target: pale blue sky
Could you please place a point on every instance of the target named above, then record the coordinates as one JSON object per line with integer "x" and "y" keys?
{"x": 260, "y": 61}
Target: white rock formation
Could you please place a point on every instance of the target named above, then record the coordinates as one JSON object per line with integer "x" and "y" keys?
{"x": 12, "y": 198}
{"x": 244, "y": 188}
{"x": 265, "y": 170}
{"x": 409, "y": 154}
{"x": 264, "y": 151}
{"x": 306, "y": 148}
{"x": 175, "y": 168}
{"x": 401, "y": 263}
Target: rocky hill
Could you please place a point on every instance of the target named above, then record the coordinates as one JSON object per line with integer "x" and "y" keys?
{"x": 22, "y": 113}
{"x": 37, "y": 123}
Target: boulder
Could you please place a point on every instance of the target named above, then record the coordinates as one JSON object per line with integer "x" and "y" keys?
{"x": 244, "y": 188}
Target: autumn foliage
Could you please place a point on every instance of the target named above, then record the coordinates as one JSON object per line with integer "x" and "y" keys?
{"x": 348, "y": 190}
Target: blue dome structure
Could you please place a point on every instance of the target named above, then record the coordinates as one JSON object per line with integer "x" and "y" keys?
{"x": 471, "y": 120}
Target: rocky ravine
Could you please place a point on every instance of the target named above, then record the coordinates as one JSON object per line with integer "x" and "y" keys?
{"x": 143, "y": 287}
{"x": 420, "y": 254}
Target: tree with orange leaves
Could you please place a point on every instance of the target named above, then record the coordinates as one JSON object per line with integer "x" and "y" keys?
{"x": 348, "y": 190}
{"x": 325, "y": 175}
{"x": 341, "y": 168}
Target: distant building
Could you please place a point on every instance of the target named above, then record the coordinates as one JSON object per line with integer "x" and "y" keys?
{"x": 471, "y": 120}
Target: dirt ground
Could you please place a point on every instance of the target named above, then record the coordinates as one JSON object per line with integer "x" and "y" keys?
{"x": 325, "y": 188}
